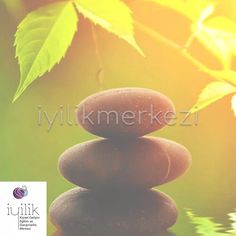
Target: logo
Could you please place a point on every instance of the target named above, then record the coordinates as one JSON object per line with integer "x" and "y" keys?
{"x": 20, "y": 193}
{"x": 23, "y": 208}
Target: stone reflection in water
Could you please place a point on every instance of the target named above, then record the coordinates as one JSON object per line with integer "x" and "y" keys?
{"x": 88, "y": 213}
{"x": 163, "y": 233}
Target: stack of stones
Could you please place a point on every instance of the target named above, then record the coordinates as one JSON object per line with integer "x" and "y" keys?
{"x": 116, "y": 174}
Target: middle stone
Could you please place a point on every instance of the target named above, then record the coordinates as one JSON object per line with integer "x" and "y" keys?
{"x": 139, "y": 163}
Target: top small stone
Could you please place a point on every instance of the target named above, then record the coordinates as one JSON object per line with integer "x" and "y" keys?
{"x": 125, "y": 112}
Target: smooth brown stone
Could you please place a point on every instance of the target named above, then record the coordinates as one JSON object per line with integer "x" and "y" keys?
{"x": 113, "y": 213}
{"x": 139, "y": 163}
{"x": 74, "y": 232}
{"x": 132, "y": 112}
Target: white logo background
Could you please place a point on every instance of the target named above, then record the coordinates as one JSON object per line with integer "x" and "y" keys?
{"x": 11, "y": 225}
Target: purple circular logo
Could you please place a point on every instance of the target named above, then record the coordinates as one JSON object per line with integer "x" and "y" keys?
{"x": 19, "y": 193}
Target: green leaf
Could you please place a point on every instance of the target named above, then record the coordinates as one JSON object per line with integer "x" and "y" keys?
{"x": 211, "y": 93}
{"x": 191, "y": 9}
{"x": 218, "y": 34}
{"x": 112, "y": 15}
{"x": 42, "y": 40}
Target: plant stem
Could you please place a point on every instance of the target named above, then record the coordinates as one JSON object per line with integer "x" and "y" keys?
{"x": 157, "y": 35}
{"x": 15, "y": 8}
{"x": 182, "y": 49}
{"x": 100, "y": 72}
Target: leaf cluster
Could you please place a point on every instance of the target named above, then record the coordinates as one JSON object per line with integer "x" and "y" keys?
{"x": 44, "y": 36}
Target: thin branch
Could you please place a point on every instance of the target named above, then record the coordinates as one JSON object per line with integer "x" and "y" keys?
{"x": 15, "y": 8}
{"x": 157, "y": 35}
{"x": 190, "y": 41}
{"x": 182, "y": 49}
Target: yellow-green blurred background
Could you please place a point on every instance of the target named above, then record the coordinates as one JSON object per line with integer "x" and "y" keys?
{"x": 29, "y": 152}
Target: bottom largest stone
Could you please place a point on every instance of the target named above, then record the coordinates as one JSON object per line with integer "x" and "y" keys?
{"x": 86, "y": 213}
{"x": 71, "y": 233}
